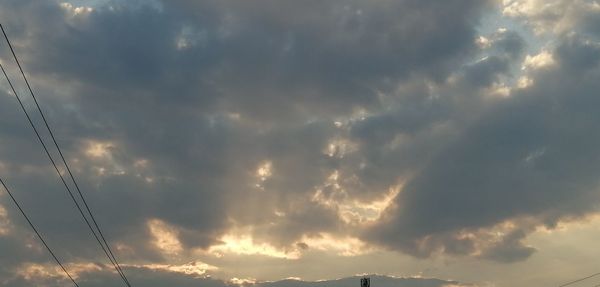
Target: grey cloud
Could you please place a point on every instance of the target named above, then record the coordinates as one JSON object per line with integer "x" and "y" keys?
{"x": 510, "y": 249}
{"x": 509, "y": 42}
{"x": 258, "y": 83}
{"x": 485, "y": 72}
{"x": 404, "y": 136}
{"x": 530, "y": 156}
{"x": 252, "y": 55}
{"x": 590, "y": 23}
{"x": 578, "y": 54}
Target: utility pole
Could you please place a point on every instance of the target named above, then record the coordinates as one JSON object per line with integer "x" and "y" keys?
{"x": 365, "y": 282}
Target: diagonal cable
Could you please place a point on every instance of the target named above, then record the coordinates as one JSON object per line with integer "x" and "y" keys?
{"x": 580, "y": 279}
{"x": 14, "y": 200}
{"x": 117, "y": 268}
{"x": 112, "y": 256}
{"x": 64, "y": 161}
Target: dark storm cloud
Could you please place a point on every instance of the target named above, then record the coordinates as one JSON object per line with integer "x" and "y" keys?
{"x": 346, "y": 50}
{"x": 400, "y": 139}
{"x": 242, "y": 56}
{"x": 204, "y": 92}
{"x": 193, "y": 96}
{"x": 531, "y": 156}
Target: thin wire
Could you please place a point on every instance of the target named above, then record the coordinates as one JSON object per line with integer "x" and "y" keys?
{"x": 14, "y": 200}
{"x": 59, "y": 173}
{"x": 580, "y": 279}
{"x": 113, "y": 258}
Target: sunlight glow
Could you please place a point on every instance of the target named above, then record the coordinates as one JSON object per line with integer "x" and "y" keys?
{"x": 243, "y": 281}
{"x": 96, "y": 149}
{"x": 264, "y": 170}
{"x": 4, "y": 221}
{"x": 33, "y": 271}
{"x": 343, "y": 246}
{"x": 354, "y": 211}
{"x": 245, "y": 245}
{"x": 165, "y": 237}
{"x": 75, "y": 11}
{"x": 195, "y": 268}
{"x": 541, "y": 60}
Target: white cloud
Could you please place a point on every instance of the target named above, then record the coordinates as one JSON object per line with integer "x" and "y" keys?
{"x": 541, "y": 60}
{"x": 165, "y": 237}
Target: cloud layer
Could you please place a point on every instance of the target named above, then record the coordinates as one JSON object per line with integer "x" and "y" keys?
{"x": 219, "y": 130}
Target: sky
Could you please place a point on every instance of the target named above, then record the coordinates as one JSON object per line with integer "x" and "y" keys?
{"x": 282, "y": 143}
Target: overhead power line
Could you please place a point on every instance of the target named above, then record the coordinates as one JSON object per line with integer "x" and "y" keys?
{"x": 102, "y": 239}
{"x": 580, "y": 279}
{"x": 58, "y": 171}
{"x": 14, "y": 200}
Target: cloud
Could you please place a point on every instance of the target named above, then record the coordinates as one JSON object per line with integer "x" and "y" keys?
{"x": 555, "y": 16}
{"x": 511, "y": 249}
{"x": 207, "y": 129}
{"x": 150, "y": 276}
{"x": 171, "y": 107}
{"x": 525, "y": 160}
